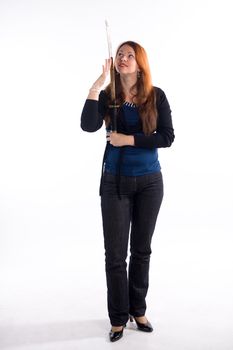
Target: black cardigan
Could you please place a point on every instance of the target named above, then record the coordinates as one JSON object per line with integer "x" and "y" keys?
{"x": 94, "y": 111}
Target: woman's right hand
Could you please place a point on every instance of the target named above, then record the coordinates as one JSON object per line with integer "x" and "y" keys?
{"x": 98, "y": 84}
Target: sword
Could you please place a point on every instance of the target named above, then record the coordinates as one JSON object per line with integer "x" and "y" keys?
{"x": 113, "y": 104}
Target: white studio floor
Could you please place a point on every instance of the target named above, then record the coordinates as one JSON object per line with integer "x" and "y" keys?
{"x": 52, "y": 276}
{"x": 53, "y": 293}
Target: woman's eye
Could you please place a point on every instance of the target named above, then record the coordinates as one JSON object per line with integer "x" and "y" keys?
{"x": 131, "y": 56}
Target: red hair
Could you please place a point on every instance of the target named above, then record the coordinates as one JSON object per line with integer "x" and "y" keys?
{"x": 144, "y": 97}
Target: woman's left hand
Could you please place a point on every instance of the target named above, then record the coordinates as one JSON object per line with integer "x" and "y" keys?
{"x": 119, "y": 140}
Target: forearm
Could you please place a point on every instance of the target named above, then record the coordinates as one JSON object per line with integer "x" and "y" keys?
{"x": 120, "y": 140}
{"x": 163, "y": 138}
{"x": 129, "y": 140}
{"x": 94, "y": 107}
{"x": 98, "y": 84}
{"x": 94, "y": 93}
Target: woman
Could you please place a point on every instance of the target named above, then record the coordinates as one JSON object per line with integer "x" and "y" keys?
{"x": 131, "y": 184}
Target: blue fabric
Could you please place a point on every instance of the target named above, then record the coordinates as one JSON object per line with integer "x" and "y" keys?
{"x": 135, "y": 161}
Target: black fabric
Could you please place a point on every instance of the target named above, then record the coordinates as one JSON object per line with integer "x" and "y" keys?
{"x": 94, "y": 111}
{"x": 92, "y": 120}
{"x": 135, "y": 215}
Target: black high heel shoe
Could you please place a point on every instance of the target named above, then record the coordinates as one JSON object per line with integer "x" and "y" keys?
{"x": 114, "y": 336}
{"x": 144, "y": 327}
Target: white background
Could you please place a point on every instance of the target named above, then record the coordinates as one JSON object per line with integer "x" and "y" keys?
{"x": 52, "y": 280}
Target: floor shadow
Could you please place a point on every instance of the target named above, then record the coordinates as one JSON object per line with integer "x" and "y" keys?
{"x": 18, "y": 335}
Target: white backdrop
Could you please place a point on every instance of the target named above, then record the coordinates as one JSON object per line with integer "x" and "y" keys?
{"x": 51, "y": 247}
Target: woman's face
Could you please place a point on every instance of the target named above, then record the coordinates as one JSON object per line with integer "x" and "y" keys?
{"x": 125, "y": 62}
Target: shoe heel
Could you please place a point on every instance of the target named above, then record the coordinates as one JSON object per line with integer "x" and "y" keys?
{"x": 131, "y": 318}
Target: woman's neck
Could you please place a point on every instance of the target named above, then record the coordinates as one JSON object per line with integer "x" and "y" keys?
{"x": 127, "y": 82}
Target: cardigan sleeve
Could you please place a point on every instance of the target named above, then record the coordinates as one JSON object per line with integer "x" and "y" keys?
{"x": 93, "y": 113}
{"x": 164, "y": 135}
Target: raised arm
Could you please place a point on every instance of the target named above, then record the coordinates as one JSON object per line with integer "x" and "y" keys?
{"x": 94, "y": 107}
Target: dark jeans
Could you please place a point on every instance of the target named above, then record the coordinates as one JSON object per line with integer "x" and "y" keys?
{"x": 135, "y": 211}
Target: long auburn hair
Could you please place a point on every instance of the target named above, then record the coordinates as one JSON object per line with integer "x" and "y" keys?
{"x": 145, "y": 97}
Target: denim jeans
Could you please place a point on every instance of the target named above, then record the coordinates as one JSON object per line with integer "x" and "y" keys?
{"x": 134, "y": 213}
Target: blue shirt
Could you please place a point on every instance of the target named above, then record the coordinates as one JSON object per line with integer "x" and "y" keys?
{"x": 135, "y": 161}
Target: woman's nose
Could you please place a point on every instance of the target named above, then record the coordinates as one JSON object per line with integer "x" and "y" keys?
{"x": 123, "y": 58}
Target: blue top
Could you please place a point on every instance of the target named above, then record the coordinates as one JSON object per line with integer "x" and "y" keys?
{"x": 135, "y": 161}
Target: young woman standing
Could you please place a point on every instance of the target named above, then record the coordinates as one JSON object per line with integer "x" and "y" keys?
{"x": 131, "y": 184}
